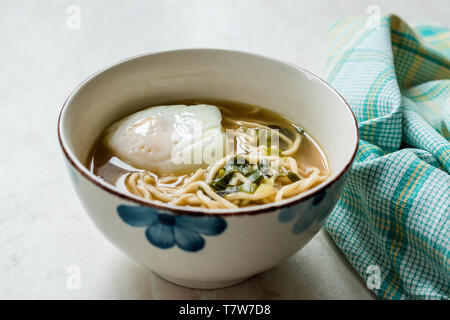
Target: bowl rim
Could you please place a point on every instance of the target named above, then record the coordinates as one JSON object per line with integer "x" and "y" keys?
{"x": 193, "y": 211}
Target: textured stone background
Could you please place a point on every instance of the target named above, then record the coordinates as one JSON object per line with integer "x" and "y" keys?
{"x": 43, "y": 228}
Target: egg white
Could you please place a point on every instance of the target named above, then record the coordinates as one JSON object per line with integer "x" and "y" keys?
{"x": 173, "y": 139}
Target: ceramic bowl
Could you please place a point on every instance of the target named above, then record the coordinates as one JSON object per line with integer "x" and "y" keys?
{"x": 206, "y": 248}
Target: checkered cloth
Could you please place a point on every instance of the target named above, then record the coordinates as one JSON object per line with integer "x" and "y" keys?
{"x": 392, "y": 221}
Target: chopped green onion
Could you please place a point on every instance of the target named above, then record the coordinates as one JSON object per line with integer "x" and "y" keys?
{"x": 230, "y": 167}
{"x": 264, "y": 167}
{"x": 256, "y": 176}
{"x": 222, "y": 182}
{"x": 229, "y": 190}
{"x": 220, "y": 173}
{"x": 246, "y": 169}
{"x": 237, "y": 160}
{"x": 238, "y": 164}
{"x": 293, "y": 176}
{"x": 248, "y": 187}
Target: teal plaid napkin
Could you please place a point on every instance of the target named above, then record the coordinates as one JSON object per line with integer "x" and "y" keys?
{"x": 392, "y": 221}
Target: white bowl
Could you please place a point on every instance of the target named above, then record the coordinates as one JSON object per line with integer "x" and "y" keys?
{"x": 205, "y": 248}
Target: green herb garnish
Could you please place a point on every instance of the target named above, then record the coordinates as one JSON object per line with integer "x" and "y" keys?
{"x": 228, "y": 190}
{"x": 246, "y": 169}
{"x": 238, "y": 164}
{"x": 220, "y": 173}
{"x": 256, "y": 176}
{"x": 222, "y": 182}
{"x": 264, "y": 167}
{"x": 291, "y": 175}
{"x": 248, "y": 187}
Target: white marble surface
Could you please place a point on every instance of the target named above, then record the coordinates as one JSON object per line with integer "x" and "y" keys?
{"x": 43, "y": 229}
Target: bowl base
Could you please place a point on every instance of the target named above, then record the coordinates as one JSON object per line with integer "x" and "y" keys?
{"x": 202, "y": 284}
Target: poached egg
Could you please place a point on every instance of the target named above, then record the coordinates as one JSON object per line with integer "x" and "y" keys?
{"x": 172, "y": 139}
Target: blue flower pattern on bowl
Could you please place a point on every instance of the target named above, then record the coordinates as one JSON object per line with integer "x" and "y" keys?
{"x": 317, "y": 210}
{"x": 165, "y": 230}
